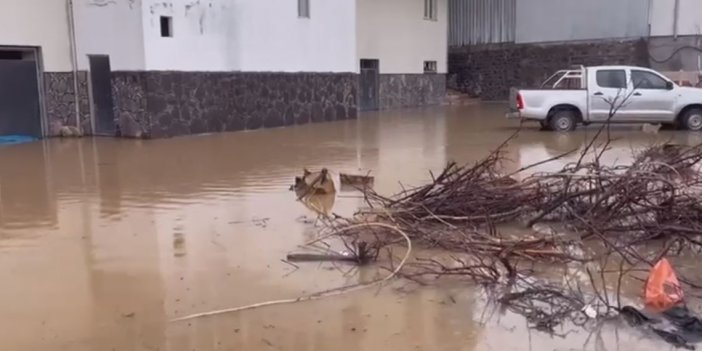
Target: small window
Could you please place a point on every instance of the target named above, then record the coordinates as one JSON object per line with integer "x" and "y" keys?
{"x": 611, "y": 78}
{"x": 303, "y": 8}
{"x": 647, "y": 80}
{"x": 429, "y": 66}
{"x": 166, "y": 26}
{"x": 430, "y": 9}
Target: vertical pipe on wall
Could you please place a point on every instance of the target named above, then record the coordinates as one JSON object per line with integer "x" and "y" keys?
{"x": 74, "y": 59}
{"x": 676, "y": 14}
{"x": 648, "y": 16}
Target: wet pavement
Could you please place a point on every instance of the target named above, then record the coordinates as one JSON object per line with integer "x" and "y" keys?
{"x": 103, "y": 241}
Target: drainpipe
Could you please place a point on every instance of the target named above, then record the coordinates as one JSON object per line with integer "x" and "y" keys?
{"x": 648, "y": 13}
{"x": 676, "y": 14}
{"x": 74, "y": 60}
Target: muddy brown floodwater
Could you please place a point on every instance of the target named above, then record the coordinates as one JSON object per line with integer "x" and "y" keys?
{"x": 103, "y": 241}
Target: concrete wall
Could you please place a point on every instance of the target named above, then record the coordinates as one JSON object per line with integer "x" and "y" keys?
{"x": 199, "y": 35}
{"x": 38, "y": 23}
{"x": 231, "y": 35}
{"x": 269, "y": 36}
{"x": 564, "y": 20}
{"x": 111, "y": 28}
{"x": 681, "y": 53}
{"x": 663, "y": 17}
{"x": 396, "y": 33}
{"x": 669, "y": 54}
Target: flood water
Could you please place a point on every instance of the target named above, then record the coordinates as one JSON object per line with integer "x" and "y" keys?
{"x": 104, "y": 241}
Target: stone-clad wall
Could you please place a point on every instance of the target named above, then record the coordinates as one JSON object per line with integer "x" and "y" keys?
{"x": 411, "y": 90}
{"x": 129, "y": 101}
{"x": 165, "y": 104}
{"x": 489, "y": 71}
{"x": 60, "y": 102}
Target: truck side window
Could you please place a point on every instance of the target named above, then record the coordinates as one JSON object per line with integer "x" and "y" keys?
{"x": 611, "y": 78}
{"x": 647, "y": 80}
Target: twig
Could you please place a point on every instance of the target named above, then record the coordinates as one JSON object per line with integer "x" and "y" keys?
{"x": 320, "y": 294}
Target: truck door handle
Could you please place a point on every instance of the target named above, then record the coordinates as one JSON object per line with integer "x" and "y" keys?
{"x": 598, "y": 94}
{"x": 637, "y": 94}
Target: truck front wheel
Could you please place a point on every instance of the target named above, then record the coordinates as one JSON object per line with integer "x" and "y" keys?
{"x": 563, "y": 121}
{"x": 692, "y": 119}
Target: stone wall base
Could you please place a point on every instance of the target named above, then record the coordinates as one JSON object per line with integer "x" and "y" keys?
{"x": 166, "y": 104}
{"x": 488, "y": 71}
{"x": 59, "y": 101}
{"x": 157, "y": 104}
{"x": 411, "y": 90}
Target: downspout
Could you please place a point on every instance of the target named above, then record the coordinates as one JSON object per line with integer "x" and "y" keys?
{"x": 676, "y": 14}
{"x": 74, "y": 60}
{"x": 648, "y": 13}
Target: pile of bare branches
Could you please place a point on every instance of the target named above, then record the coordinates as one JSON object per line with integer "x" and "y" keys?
{"x": 618, "y": 208}
{"x": 474, "y": 194}
{"x": 602, "y": 213}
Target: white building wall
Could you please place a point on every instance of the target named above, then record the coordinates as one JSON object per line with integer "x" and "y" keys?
{"x": 396, "y": 33}
{"x": 38, "y": 23}
{"x": 269, "y": 36}
{"x": 111, "y": 28}
{"x": 250, "y": 35}
{"x": 199, "y": 35}
{"x": 662, "y": 17}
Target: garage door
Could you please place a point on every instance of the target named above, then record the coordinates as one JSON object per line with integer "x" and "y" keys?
{"x": 19, "y": 99}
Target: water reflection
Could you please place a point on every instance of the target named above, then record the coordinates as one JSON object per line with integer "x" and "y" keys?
{"x": 102, "y": 241}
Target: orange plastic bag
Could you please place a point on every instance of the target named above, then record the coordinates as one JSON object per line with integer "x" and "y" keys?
{"x": 662, "y": 289}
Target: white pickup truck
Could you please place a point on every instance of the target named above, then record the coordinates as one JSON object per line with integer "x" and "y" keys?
{"x": 590, "y": 95}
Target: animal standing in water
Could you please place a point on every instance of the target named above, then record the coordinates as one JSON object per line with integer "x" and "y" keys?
{"x": 316, "y": 191}
{"x": 314, "y": 183}
{"x": 651, "y": 128}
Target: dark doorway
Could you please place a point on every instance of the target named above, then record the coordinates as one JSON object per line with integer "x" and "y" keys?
{"x": 100, "y": 73}
{"x": 370, "y": 77}
{"x": 20, "y": 113}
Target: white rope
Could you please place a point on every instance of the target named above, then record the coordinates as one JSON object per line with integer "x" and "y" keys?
{"x": 321, "y": 294}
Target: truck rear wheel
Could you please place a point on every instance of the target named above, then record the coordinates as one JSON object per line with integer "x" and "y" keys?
{"x": 692, "y": 119}
{"x": 563, "y": 121}
{"x": 545, "y": 125}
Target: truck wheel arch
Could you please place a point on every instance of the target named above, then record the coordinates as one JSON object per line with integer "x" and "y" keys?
{"x": 685, "y": 109}
{"x": 680, "y": 119}
{"x": 565, "y": 107}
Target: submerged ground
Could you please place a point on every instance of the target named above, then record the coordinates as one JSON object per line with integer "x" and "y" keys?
{"x": 103, "y": 241}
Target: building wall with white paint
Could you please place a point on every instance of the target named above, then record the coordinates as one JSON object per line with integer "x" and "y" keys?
{"x": 38, "y": 23}
{"x": 662, "y": 17}
{"x": 396, "y": 33}
{"x": 268, "y": 35}
{"x": 114, "y": 28}
{"x": 199, "y": 38}
{"x": 262, "y": 35}
{"x": 245, "y": 35}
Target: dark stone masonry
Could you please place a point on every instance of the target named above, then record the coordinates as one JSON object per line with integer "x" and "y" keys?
{"x": 488, "y": 71}
{"x": 411, "y": 90}
{"x": 166, "y": 104}
{"x": 129, "y": 99}
{"x": 157, "y": 104}
{"x": 60, "y": 102}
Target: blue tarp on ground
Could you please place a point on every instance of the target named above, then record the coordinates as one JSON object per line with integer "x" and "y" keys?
{"x": 15, "y": 139}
